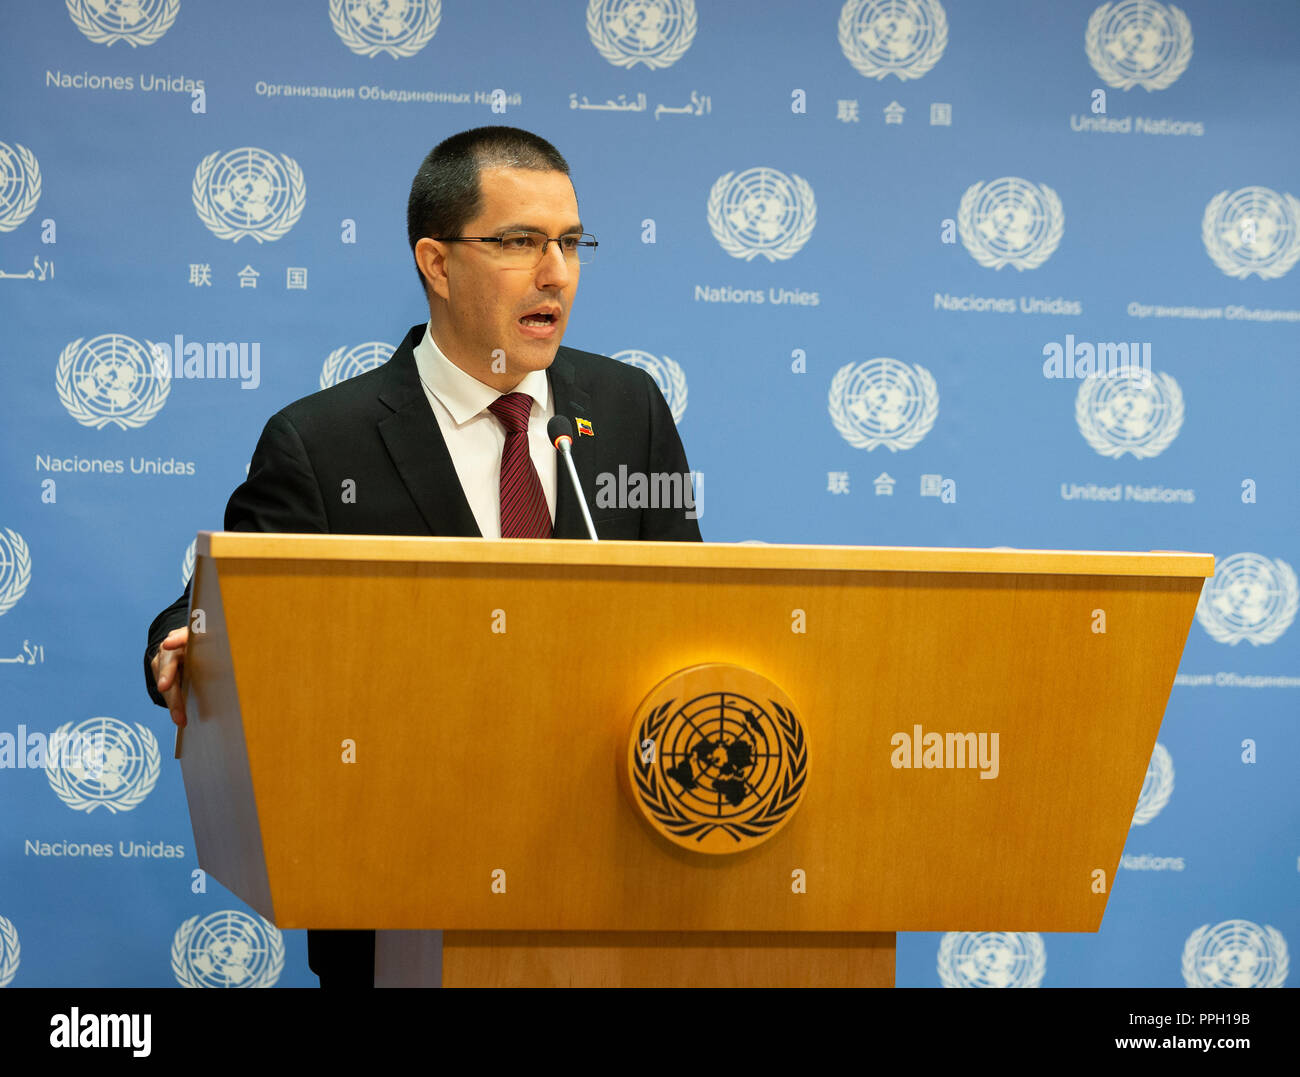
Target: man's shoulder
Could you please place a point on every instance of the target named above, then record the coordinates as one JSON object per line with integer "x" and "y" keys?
{"x": 582, "y": 358}
{"x": 358, "y": 397}
{"x": 589, "y": 366}
{"x": 344, "y": 396}
{"x": 369, "y": 396}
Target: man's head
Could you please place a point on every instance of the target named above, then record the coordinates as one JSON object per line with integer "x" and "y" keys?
{"x": 483, "y": 183}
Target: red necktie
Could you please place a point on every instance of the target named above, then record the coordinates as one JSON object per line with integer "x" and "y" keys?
{"x": 524, "y": 513}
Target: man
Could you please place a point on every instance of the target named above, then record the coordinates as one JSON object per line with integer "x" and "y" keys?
{"x": 449, "y": 436}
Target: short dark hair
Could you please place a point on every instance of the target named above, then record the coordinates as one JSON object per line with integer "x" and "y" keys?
{"x": 445, "y": 193}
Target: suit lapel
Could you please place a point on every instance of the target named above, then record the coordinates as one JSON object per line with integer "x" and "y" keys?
{"x": 417, "y": 447}
{"x": 420, "y": 455}
{"x": 571, "y": 400}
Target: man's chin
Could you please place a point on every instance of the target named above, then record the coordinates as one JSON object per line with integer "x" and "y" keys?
{"x": 533, "y": 354}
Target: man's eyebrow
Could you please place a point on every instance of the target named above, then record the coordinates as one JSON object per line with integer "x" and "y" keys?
{"x": 522, "y": 227}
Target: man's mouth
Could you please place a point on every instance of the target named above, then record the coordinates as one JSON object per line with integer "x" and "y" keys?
{"x": 542, "y": 317}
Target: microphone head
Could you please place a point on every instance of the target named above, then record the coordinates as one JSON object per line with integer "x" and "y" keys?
{"x": 558, "y": 429}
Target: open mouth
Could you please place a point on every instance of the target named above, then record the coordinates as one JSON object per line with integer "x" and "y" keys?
{"x": 540, "y": 318}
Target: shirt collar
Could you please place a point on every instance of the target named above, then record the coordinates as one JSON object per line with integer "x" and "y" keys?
{"x": 462, "y": 394}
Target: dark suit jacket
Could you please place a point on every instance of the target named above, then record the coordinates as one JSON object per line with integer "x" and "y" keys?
{"x": 378, "y": 430}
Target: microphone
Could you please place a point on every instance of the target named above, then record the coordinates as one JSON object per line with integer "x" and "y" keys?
{"x": 560, "y": 431}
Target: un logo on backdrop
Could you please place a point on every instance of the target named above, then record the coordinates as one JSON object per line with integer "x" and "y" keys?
{"x": 761, "y": 211}
{"x": 883, "y": 402}
{"x": 20, "y": 185}
{"x": 137, "y": 22}
{"x": 344, "y": 363}
{"x": 397, "y": 27}
{"x": 15, "y": 568}
{"x": 656, "y": 33}
{"x": 992, "y": 959}
{"x": 1010, "y": 221}
{"x": 1138, "y": 43}
{"x": 1235, "y": 953}
{"x": 248, "y": 192}
{"x": 111, "y": 379}
{"x": 187, "y": 562}
{"x": 667, "y": 373}
{"x": 1252, "y": 230}
{"x": 1133, "y": 411}
{"x": 893, "y": 37}
{"x": 114, "y": 766}
{"x": 1249, "y": 598}
{"x": 10, "y": 951}
{"x": 227, "y": 949}
{"x": 1157, "y": 787}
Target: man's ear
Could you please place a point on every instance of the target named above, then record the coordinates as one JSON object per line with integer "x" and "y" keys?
{"x": 431, "y": 257}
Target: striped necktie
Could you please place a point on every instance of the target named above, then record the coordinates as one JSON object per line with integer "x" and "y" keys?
{"x": 524, "y": 513}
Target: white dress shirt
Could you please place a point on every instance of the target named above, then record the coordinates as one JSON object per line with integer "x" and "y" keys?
{"x": 476, "y": 438}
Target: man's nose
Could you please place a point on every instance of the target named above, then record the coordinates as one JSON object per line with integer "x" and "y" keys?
{"x": 554, "y": 270}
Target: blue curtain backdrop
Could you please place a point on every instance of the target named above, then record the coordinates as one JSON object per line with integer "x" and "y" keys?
{"x": 867, "y": 249}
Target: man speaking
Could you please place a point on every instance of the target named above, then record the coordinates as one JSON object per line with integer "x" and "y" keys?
{"x": 449, "y": 437}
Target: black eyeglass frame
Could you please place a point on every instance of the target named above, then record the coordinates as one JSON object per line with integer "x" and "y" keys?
{"x": 589, "y": 243}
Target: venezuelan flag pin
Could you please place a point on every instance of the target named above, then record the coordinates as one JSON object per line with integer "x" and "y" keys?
{"x": 584, "y": 427}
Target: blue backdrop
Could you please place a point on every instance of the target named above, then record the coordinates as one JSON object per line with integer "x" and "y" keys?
{"x": 868, "y": 249}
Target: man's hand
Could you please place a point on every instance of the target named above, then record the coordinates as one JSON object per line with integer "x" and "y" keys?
{"x": 168, "y": 664}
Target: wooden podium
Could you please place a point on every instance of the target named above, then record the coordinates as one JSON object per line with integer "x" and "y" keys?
{"x": 430, "y": 733}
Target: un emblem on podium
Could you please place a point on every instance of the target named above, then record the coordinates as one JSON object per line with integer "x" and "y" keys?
{"x": 717, "y": 761}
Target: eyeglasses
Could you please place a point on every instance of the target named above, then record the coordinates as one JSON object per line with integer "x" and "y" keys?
{"x": 525, "y": 250}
